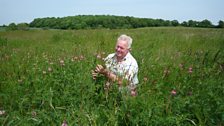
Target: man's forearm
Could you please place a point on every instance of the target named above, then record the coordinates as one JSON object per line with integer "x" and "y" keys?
{"x": 110, "y": 75}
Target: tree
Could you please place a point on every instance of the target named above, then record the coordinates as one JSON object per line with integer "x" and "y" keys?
{"x": 23, "y": 26}
{"x": 12, "y": 26}
{"x": 192, "y": 23}
{"x": 205, "y": 23}
{"x": 184, "y": 23}
{"x": 174, "y": 23}
{"x": 221, "y": 24}
{"x": 109, "y": 21}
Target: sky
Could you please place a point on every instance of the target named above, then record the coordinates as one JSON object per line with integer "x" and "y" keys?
{"x": 25, "y": 11}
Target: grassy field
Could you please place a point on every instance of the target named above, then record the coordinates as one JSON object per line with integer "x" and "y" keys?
{"x": 45, "y": 77}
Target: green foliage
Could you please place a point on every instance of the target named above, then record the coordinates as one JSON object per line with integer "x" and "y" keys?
{"x": 221, "y": 24}
{"x": 12, "y": 26}
{"x": 45, "y": 77}
{"x": 174, "y": 23}
{"x": 23, "y": 26}
{"x": 205, "y": 23}
{"x": 109, "y": 21}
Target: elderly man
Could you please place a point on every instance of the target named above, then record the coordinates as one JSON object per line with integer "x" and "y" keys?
{"x": 121, "y": 66}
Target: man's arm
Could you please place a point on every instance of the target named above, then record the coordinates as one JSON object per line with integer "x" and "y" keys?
{"x": 101, "y": 70}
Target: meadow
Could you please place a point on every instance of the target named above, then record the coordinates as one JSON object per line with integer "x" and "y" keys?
{"x": 45, "y": 77}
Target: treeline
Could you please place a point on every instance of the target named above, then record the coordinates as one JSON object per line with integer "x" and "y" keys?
{"x": 109, "y": 21}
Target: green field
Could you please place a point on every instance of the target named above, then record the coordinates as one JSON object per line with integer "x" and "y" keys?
{"x": 45, "y": 77}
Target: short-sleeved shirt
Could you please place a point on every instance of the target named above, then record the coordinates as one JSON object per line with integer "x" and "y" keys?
{"x": 127, "y": 68}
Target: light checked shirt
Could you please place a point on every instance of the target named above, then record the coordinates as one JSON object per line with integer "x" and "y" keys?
{"x": 127, "y": 68}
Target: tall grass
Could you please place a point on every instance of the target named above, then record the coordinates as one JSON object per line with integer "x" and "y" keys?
{"x": 46, "y": 77}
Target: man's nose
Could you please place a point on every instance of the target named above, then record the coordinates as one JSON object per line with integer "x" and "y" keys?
{"x": 118, "y": 49}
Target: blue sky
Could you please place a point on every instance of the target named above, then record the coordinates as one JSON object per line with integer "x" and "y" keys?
{"x": 19, "y": 11}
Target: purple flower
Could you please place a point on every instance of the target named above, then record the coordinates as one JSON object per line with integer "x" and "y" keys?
{"x": 64, "y": 123}
{"x": 173, "y": 92}
{"x": 190, "y": 70}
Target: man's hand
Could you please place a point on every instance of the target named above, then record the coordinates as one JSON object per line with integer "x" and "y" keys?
{"x": 98, "y": 70}
{"x": 101, "y": 70}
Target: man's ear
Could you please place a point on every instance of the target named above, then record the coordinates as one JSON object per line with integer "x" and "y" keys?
{"x": 129, "y": 49}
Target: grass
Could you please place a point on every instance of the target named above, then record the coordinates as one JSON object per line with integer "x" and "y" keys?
{"x": 45, "y": 77}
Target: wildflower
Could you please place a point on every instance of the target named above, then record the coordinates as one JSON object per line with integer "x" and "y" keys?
{"x": 49, "y": 69}
{"x": 133, "y": 93}
{"x": 166, "y": 72}
{"x": 98, "y": 56}
{"x": 181, "y": 66}
{"x": 64, "y": 123}
{"x": 190, "y": 70}
{"x": 81, "y": 57}
{"x": 44, "y": 72}
{"x": 62, "y": 63}
{"x": 72, "y": 60}
{"x": 20, "y": 81}
{"x": 2, "y": 112}
{"x": 75, "y": 58}
{"x": 33, "y": 113}
{"x": 173, "y": 92}
{"x": 145, "y": 79}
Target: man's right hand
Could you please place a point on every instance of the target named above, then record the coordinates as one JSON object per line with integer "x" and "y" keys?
{"x": 98, "y": 70}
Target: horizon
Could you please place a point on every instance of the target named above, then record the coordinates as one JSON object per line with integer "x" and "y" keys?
{"x": 25, "y": 11}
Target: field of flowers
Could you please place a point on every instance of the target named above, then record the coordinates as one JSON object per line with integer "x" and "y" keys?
{"x": 45, "y": 78}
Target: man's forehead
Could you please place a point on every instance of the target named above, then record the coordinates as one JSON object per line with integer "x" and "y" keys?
{"x": 121, "y": 42}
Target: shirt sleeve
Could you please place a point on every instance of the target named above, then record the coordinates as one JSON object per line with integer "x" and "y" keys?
{"x": 108, "y": 60}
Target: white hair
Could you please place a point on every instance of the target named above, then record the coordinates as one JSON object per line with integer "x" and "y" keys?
{"x": 126, "y": 38}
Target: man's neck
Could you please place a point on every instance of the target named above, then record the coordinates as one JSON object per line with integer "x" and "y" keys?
{"x": 119, "y": 59}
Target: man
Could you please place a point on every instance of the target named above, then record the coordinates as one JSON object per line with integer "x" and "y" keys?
{"x": 121, "y": 66}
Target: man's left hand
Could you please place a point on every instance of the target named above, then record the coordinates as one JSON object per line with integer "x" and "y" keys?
{"x": 100, "y": 69}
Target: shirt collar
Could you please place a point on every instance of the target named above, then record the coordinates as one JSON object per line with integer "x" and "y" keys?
{"x": 125, "y": 58}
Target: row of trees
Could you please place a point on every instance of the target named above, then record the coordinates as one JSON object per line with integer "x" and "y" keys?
{"x": 109, "y": 21}
{"x": 20, "y": 26}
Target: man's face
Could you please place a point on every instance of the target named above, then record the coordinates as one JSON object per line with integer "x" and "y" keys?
{"x": 121, "y": 49}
